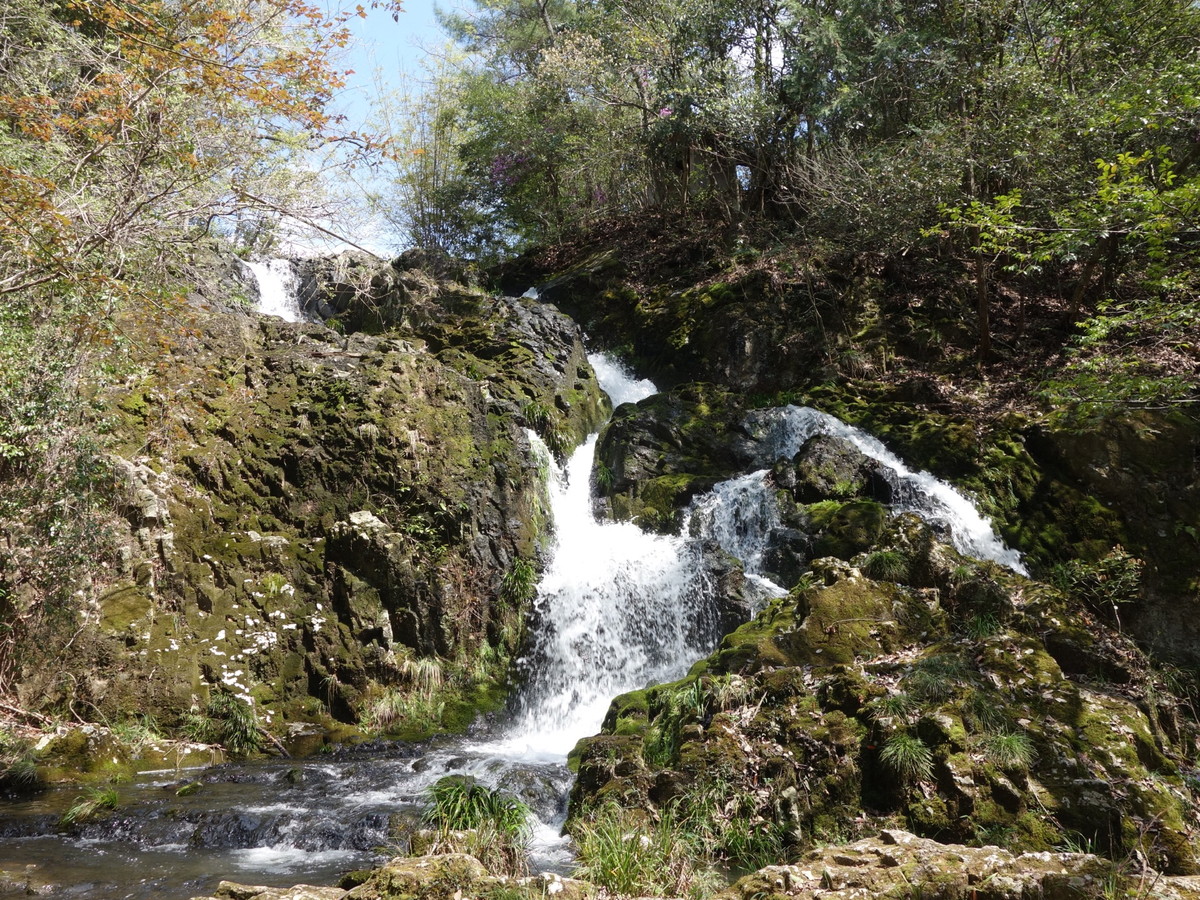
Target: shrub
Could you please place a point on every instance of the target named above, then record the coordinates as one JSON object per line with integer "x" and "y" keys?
{"x": 938, "y": 678}
{"x": 899, "y": 706}
{"x": 229, "y": 721}
{"x": 1106, "y": 584}
{"x": 520, "y": 583}
{"x": 417, "y": 712}
{"x": 18, "y": 762}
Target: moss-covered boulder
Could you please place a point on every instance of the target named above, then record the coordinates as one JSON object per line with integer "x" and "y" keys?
{"x": 437, "y": 877}
{"x": 928, "y": 698}
{"x": 898, "y": 865}
{"x": 653, "y": 457}
{"x": 325, "y": 527}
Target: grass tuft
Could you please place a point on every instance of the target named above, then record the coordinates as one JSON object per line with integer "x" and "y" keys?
{"x": 491, "y": 825}
{"x": 90, "y": 806}
{"x": 887, "y": 565}
{"x": 907, "y": 757}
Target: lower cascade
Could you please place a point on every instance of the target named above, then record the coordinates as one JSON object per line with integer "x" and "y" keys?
{"x": 617, "y": 609}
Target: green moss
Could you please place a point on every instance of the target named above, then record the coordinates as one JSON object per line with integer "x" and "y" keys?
{"x": 851, "y": 529}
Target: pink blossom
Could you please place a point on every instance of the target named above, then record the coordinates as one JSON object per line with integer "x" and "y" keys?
{"x": 664, "y": 112}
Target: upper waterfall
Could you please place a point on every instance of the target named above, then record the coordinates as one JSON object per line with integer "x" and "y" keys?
{"x": 277, "y": 284}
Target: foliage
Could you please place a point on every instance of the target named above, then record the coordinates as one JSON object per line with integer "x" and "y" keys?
{"x": 396, "y": 708}
{"x": 520, "y": 583}
{"x": 906, "y": 756}
{"x": 1009, "y": 750}
{"x": 488, "y": 823}
{"x": 90, "y": 806}
{"x": 727, "y": 828}
{"x": 1105, "y": 584}
{"x": 938, "y": 678}
{"x": 899, "y": 707}
{"x": 887, "y": 565}
{"x": 228, "y": 720}
{"x": 18, "y": 761}
{"x": 629, "y": 854}
{"x": 1014, "y": 141}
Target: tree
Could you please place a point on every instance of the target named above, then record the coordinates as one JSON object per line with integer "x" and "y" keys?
{"x": 128, "y": 131}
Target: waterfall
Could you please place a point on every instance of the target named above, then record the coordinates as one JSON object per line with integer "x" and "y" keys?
{"x": 740, "y": 514}
{"x": 617, "y": 608}
{"x": 783, "y": 430}
{"x": 277, "y": 286}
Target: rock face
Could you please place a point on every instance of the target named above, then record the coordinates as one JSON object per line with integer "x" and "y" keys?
{"x": 898, "y": 864}
{"x": 898, "y": 680}
{"x": 652, "y": 458}
{"x": 307, "y": 516}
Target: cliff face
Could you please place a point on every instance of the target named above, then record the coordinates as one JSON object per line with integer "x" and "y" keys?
{"x": 334, "y": 527}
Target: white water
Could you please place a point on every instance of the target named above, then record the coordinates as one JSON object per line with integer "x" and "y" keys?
{"x": 783, "y": 430}
{"x": 277, "y": 285}
{"x": 617, "y": 381}
{"x": 617, "y": 608}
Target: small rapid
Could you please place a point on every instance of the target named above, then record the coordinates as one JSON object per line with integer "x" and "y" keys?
{"x": 782, "y": 431}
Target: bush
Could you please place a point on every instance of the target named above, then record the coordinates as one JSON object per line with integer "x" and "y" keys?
{"x": 1009, "y": 750}
{"x": 18, "y": 762}
{"x": 1106, "y": 584}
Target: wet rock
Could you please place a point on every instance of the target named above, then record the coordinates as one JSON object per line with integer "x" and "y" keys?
{"x": 830, "y": 468}
{"x": 654, "y": 457}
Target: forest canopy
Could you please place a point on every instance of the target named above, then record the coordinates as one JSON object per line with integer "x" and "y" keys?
{"x": 1045, "y": 148}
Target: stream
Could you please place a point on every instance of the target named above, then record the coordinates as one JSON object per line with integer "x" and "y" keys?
{"x": 616, "y": 609}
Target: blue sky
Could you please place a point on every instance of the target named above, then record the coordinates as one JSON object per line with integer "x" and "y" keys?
{"x": 387, "y": 47}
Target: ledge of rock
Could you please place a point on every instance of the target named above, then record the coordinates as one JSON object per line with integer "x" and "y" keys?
{"x": 899, "y": 864}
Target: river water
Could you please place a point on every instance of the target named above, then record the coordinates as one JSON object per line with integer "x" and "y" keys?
{"x": 616, "y": 609}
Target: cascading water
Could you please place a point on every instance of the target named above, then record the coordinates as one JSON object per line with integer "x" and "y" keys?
{"x": 616, "y": 610}
{"x": 740, "y": 514}
{"x": 783, "y": 430}
{"x": 277, "y": 283}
